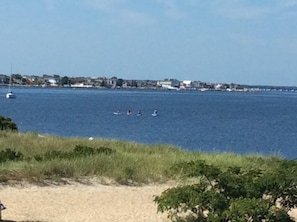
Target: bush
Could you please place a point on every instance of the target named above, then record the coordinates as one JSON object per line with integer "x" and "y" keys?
{"x": 8, "y": 154}
{"x": 78, "y": 151}
{"x": 7, "y": 124}
{"x": 83, "y": 150}
{"x": 87, "y": 151}
{"x": 232, "y": 195}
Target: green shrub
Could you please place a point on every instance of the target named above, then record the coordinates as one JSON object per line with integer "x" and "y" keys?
{"x": 83, "y": 150}
{"x": 105, "y": 150}
{"x": 56, "y": 154}
{"x": 10, "y": 155}
{"x": 87, "y": 151}
{"x": 6, "y": 123}
{"x": 232, "y": 195}
{"x": 78, "y": 151}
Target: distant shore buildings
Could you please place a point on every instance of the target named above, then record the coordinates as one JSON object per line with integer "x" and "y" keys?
{"x": 119, "y": 83}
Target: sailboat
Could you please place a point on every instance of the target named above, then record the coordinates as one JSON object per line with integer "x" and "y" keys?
{"x": 10, "y": 94}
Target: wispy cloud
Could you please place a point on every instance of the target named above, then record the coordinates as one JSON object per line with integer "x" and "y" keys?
{"x": 119, "y": 12}
{"x": 245, "y": 9}
{"x": 287, "y": 9}
{"x": 171, "y": 9}
{"x": 135, "y": 18}
{"x": 106, "y": 6}
{"x": 238, "y": 9}
{"x": 287, "y": 3}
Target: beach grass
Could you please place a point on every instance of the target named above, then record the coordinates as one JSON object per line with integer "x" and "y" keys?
{"x": 52, "y": 158}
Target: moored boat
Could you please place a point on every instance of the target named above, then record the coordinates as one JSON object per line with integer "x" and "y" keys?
{"x": 155, "y": 113}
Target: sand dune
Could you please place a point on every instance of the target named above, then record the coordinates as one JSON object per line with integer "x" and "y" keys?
{"x": 79, "y": 202}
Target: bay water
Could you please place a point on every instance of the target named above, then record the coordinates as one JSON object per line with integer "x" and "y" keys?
{"x": 239, "y": 122}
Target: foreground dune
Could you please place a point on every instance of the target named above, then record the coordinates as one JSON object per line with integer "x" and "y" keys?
{"x": 79, "y": 202}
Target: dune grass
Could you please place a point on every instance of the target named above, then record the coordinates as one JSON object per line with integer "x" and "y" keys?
{"x": 51, "y": 158}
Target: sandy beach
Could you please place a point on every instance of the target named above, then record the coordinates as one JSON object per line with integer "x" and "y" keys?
{"x": 79, "y": 202}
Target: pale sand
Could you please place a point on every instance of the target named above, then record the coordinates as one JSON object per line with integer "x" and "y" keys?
{"x": 78, "y": 202}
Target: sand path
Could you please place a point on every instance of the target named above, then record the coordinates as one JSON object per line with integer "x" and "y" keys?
{"x": 79, "y": 202}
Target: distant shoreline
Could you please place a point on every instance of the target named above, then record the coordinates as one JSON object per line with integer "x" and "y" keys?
{"x": 245, "y": 89}
{"x": 56, "y": 81}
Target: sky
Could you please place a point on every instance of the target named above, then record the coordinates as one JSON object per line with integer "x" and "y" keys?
{"x": 220, "y": 41}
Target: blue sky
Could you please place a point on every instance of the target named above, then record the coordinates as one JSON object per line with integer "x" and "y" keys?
{"x": 220, "y": 41}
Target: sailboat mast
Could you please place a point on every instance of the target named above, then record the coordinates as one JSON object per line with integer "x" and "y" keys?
{"x": 9, "y": 94}
{"x": 10, "y": 78}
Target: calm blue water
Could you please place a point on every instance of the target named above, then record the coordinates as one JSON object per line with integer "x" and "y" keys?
{"x": 206, "y": 121}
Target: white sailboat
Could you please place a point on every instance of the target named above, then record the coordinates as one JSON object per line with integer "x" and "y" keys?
{"x": 10, "y": 94}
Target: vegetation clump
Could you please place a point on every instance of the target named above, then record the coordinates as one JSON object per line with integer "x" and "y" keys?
{"x": 10, "y": 155}
{"x": 226, "y": 188}
{"x": 235, "y": 194}
{"x": 78, "y": 151}
{"x": 6, "y": 123}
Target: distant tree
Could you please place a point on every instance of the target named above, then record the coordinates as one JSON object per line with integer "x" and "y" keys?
{"x": 134, "y": 83}
{"x": 7, "y": 124}
{"x": 17, "y": 76}
{"x": 119, "y": 82}
{"x": 39, "y": 81}
{"x": 64, "y": 81}
{"x": 57, "y": 77}
{"x": 103, "y": 83}
{"x": 25, "y": 81}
